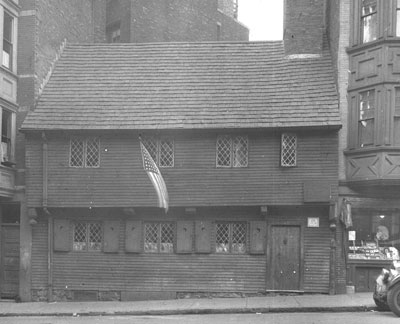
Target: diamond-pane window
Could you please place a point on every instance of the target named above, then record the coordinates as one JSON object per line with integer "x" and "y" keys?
{"x": 76, "y": 153}
{"x": 159, "y": 237}
{"x": 84, "y": 153}
{"x": 92, "y": 153}
{"x": 288, "y": 150}
{"x": 230, "y": 237}
{"x": 232, "y": 151}
{"x": 87, "y": 237}
{"x": 161, "y": 150}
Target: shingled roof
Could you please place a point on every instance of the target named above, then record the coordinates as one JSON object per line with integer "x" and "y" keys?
{"x": 186, "y": 86}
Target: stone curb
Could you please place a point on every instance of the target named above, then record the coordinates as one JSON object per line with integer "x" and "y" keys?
{"x": 246, "y": 310}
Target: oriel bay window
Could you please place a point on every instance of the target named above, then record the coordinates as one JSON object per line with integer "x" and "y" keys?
{"x": 369, "y": 21}
{"x": 366, "y": 118}
{"x": 7, "y": 137}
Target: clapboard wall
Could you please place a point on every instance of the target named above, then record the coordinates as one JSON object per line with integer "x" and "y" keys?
{"x": 193, "y": 181}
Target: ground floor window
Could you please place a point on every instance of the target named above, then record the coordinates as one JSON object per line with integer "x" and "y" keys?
{"x": 87, "y": 236}
{"x": 375, "y": 234}
{"x": 159, "y": 237}
{"x": 230, "y": 237}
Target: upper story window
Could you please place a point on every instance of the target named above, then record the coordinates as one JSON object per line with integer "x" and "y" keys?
{"x": 87, "y": 236}
{"x": 288, "y": 150}
{"x": 398, "y": 18}
{"x": 84, "y": 153}
{"x": 230, "y": 237}
{"x": 369, "y": 21}
{"x": 232, "y": 151}
{"x": 161, "y": 150}
{"x": 366, "y": 118}
{"x": 159, "y": 237}
{"x": 8, "y": 32}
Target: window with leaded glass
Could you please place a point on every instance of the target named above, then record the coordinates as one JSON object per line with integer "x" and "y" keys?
{"x": 366, "y": 118}
{"x": 232, "y": 151}
{"x": 288, "y": 150}
{"x": 159, "y": 237}
{"x": 230, "y": 237}
{"x": 369, "y": 21}
{"x": 88, "y": 236}
{"x": 84, "y": 153}
{"x": 161, "y": 150}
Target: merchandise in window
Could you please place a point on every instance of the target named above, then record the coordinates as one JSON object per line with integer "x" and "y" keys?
{"x": 87, "y": 237}
{"x": 369, "y": 22}
{"x": 232, "y": 151}
{"x": 366, "y": 118}
{"x": 159, "y": 237}
{"x": 7, "y": 41}
{"x": 230, "y": 238}
{"x": 375, "y": 235}
{"x": 84, "y": 153}
{"x": 161, "y": 151}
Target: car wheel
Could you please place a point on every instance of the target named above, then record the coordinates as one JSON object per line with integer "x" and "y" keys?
{"x": 393, "y": 299}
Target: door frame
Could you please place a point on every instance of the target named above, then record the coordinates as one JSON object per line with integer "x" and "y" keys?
{"x": 269, "y": 272}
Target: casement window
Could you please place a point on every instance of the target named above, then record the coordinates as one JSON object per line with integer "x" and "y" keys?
{"x": 88, "y": 236}
{"x": 159, "y": 237}
{"x": 366, "y": 118}
{"x": 161, "y": 150}
{"x": 7, "y": 136}
{"x": 369, "y": 21}
{"x": 397, "y": 118}
{"x": 398, "y": 18}
{"x": 232, "y": 151}
{"x": 8, "y": 35}
{"x": 84, "y": 152}
{"x": 230, "y": 237}
{"x": 288, "y": 150}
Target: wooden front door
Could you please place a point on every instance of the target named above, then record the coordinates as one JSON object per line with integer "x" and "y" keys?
{"x": 9, "y": 261}
{"x": 285, "y": 257}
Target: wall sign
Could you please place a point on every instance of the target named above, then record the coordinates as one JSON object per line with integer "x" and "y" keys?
{"x": 313, "y": 222}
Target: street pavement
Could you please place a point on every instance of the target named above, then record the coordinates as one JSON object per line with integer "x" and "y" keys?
{"x": 356, "y": 302}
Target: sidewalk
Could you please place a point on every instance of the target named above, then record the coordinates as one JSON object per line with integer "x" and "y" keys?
{"x": 302, "y": 303}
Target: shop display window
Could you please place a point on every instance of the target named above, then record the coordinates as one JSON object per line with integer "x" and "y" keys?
{"x": 375, "y": 235}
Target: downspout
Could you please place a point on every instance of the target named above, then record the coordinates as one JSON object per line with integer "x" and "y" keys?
{"x": 49, "y": 220}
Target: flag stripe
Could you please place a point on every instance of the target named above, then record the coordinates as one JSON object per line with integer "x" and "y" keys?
{"x": 155, "y": 177}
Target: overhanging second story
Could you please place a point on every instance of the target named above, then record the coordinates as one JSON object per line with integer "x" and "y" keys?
{"x": 373, "y": 152}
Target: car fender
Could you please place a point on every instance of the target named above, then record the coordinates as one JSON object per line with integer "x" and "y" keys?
{"x": 394, "y": 281}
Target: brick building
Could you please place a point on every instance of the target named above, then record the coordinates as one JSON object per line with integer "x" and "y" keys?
{"x": 34, "y": 35}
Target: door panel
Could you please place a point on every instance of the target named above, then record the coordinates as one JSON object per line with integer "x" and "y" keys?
{"x": 285, "y": 257}
{"x": 9, "y": 262}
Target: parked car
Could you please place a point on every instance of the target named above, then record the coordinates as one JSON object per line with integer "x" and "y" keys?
{"x": 387, "y": 289}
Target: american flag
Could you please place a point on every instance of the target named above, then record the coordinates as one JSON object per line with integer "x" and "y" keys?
{"x": 155, "y": 177}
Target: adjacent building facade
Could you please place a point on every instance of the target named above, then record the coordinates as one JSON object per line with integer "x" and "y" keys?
{"x": 365, "y": 39}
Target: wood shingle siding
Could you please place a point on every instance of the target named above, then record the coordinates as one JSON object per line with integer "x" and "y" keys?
{"x": 193, "y": 181}
{"x": 186, "y": 86}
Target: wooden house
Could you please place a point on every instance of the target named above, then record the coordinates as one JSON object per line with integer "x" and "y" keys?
{"x": 246, "y": 139}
